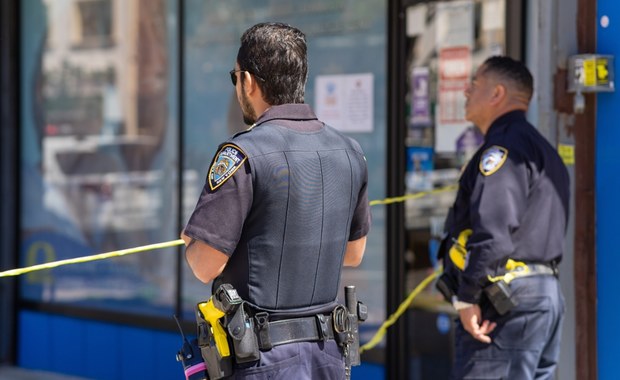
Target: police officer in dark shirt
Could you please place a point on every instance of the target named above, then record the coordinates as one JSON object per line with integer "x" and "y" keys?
{"x": 506, "y": 235}
{"x": 284, "y": 207}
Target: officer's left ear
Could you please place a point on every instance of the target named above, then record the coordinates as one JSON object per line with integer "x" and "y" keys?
{"x": 499, "y": 93}
{"x": 248, "y": 82}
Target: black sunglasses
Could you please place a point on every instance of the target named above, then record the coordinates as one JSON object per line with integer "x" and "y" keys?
{"x": 233, "y": 76}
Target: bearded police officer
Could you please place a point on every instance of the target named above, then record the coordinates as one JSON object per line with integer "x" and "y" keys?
{"x": 284, "y": 207}
{"x": 505, "y": 234}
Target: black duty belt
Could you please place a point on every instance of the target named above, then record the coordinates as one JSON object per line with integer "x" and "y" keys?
{"x": 303, "y": 329}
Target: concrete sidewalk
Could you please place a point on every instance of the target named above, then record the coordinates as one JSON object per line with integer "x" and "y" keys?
{"x": 15, "y": 373}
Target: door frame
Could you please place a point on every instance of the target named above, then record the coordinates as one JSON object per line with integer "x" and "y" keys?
{"x": 397, "y": 347}
{"x": 9, "y": 178}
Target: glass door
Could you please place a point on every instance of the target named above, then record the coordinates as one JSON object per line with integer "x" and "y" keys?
{"x": 445, "y": 41}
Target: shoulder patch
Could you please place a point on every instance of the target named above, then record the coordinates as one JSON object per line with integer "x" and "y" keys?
{"x": 227, "y": 161}
{"x": 492, "y": 159}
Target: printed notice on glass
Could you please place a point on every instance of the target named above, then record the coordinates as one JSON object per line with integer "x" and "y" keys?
{"x": 454, "y": 74}
{"x": 420, "y": 100}
{"x": 345, "y": 102}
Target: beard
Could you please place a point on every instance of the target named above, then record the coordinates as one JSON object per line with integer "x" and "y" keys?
{"x": 249, "y": 114}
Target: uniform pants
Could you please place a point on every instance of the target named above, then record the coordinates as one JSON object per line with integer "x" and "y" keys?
{"x": 296, "y": 361}
{"x": 526, "y": 342}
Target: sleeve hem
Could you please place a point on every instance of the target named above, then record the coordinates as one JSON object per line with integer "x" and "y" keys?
{"x": 205, "y": 239}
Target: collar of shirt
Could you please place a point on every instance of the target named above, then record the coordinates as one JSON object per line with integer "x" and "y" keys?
{"x": 293, "y": 112}
{"x": 507, "y": 118}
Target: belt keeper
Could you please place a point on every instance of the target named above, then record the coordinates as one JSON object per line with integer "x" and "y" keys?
{"x": 262, "y": 325}
{"x": 321, "y": 324}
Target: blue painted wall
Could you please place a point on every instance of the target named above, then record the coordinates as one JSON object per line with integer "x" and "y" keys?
{"x": 96, "y": 350}
{"x": 607, "y": 200}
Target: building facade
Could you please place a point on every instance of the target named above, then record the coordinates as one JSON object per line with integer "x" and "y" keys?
{"x": 110, "y": 112}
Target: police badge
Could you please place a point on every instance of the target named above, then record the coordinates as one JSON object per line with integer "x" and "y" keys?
{"x": 493, "y": 159}
{"x": 228, "y": 160}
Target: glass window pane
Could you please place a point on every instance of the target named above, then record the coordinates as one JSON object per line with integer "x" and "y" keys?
{"x": 343, "y": 38}
{"x": 99, "y": 149}
{"x": 446, "y": 42}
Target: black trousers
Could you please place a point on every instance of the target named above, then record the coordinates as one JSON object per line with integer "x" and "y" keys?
{"x": 526, "y": 342}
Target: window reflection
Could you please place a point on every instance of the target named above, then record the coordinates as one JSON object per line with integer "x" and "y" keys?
{"x": 99, "y": 168}
{"x": 92, "y": 23}
{"x": 99, "y": 141}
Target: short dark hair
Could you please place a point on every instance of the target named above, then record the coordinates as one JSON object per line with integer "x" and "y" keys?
{"x": 511, "y": 70}
{"x": 277, "y": 54}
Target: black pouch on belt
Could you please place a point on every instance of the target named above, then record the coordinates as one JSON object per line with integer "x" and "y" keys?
{"x": 241, "y": 330}
{"x": 500, "y": 296}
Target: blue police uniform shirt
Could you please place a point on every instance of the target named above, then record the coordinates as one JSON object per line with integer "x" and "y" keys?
{"x": 514, "y": 196}
{"x": 227, "y": 201}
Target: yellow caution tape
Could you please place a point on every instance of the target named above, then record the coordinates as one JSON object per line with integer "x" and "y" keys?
{"x": 401, "y": 309}
{"x": 84, "y": 259}
{"x": 129, "y": 251}
{"x": 372, "y": 343}
{"x": 420, "y": 194}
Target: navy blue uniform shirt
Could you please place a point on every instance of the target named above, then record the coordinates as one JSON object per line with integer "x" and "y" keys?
{"x": 219, "y": 215}
{"x": 282, "y": 200}
{"x": 514, "y": 196}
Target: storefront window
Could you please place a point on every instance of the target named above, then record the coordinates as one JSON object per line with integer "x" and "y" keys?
{"x": 100, "y": 161}
{"x": 99, "y": 149}
{"x": 446, "y": 42}
{"x": 346, "y": 48}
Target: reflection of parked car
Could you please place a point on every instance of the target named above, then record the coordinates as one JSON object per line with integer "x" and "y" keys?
{"x": 106, "y": 185}
{"x": 117, "y": 193}
{"x": 107, "y": 181}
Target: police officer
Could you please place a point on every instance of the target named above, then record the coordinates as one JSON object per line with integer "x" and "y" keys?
{"x": 284, "y": 207}
{"x": 506, "y": 230}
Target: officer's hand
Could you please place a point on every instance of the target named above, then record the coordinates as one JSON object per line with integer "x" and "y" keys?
{"x": 470, "y": 318}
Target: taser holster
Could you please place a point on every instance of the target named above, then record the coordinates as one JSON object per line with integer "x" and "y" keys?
{"x": 221, "y": 321}
{"x": 219, "y": 364}
{"x": 212, "y": 338}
